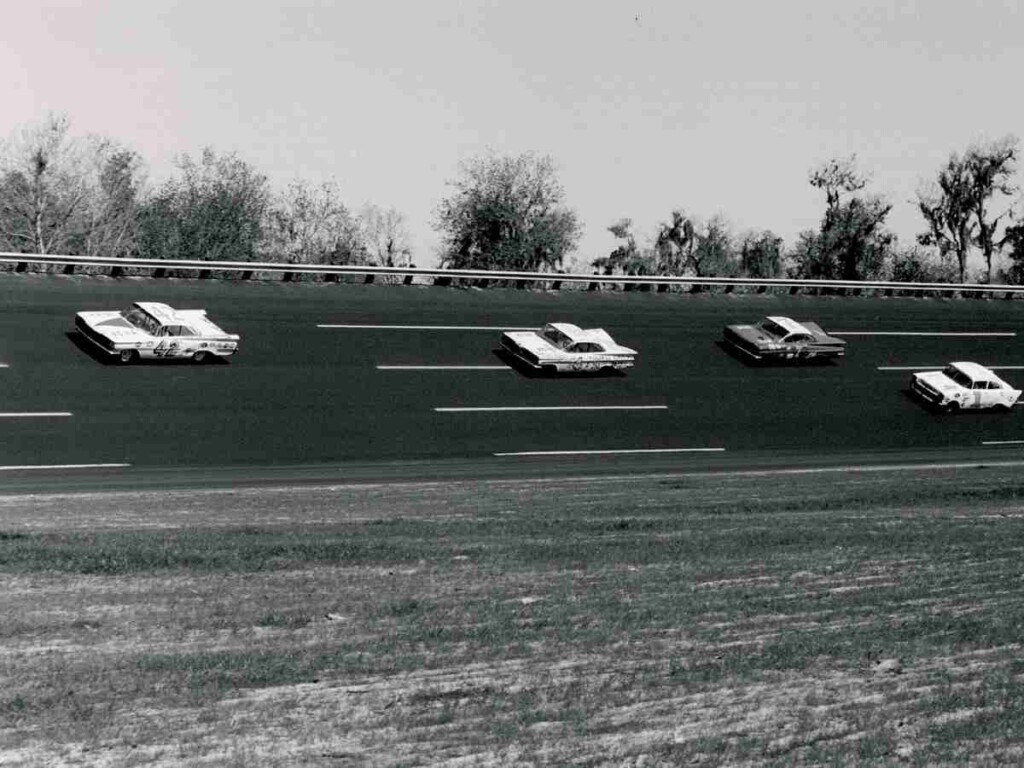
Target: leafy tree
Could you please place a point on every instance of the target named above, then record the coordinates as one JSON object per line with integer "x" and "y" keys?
{"x": 627, "y": 258}
{"x": 918, "y": 265}
{"x": 310, "y": 225}
{"x": 761, "y": 254}
{"x": 687, "y": 246}
{"x": 214, "y": 211}
{"x": 385, "y": 236}
{"x": 1013, "y": 239}
{"x": 851, "y": 242}
{"x": 506, "y": 213}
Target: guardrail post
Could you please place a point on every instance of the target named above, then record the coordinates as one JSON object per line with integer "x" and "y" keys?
{"x": 594, "y": 286}
{"x": 69, "y": 269}
{"x": 22, "y": 266}
{"x": 762, "y": 288}
{"x": 204, "y": 274}
{"x": 116, "y": 271}
{"x": 407, "y": 280}
{"x": 443, "y": 280}
{"x": 663, "y": 288}
{"x": 159, "y": 272}
{"x": 794, "y": 290}
{"x": 729, "y": 288}
{"x": 247, "y": 274}
{"x": 368, "y": 278}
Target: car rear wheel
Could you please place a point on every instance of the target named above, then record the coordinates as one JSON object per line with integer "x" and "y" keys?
{"x": 199, "y": 356}
{"x": 126, "y": 356}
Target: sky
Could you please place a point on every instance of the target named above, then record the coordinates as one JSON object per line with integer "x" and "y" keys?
{"x": 715, "y": 108}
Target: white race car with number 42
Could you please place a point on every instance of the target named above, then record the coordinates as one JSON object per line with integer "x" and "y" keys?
{"x": 151, "y": 330}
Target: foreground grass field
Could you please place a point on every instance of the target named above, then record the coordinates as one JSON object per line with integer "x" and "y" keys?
{"x": 850, "y": 618}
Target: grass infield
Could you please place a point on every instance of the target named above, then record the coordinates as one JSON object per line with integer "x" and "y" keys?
{"x": 846, "y": 618}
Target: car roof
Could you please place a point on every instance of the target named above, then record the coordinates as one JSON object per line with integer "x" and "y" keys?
{"x": 570, "y": 330}
{"x": 576, "y": 333}
{"x": 791, "y": 326}
{"x": 164, "y": 313}
{"x": 976, "y": 371}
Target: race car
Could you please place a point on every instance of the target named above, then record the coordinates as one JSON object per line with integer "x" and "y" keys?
{"x": 781, "y": 339}
{"x": 963, "y": 385}
{"x": 566, "y": 348}
{"x": 151, "y": 330}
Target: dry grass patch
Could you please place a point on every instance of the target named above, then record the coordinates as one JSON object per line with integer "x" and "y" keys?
{"x": 694, "y": 620}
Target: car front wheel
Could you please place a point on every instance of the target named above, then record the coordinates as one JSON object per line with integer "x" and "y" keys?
{"x": 126, "y": 356}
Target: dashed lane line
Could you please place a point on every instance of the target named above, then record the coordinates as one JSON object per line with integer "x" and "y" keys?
{"x": 443, "y": 368}
{"x": 427, "y": 327}
{"x": 34, "y": 415}
{"x": 498, "y": 408}
{"x": 23, "y": 467}
{"x": 971, "y": 334}
{"x": 612, "y": 451}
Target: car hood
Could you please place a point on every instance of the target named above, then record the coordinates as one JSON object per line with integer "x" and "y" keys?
{"x": 113, "y": 326}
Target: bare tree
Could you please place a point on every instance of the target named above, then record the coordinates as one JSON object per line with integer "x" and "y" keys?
{"x": 990, "y": 167}
{"x": 43, "y": 189}
{"x": 385, "y": 236}
{"x": 310, "y": 225}
{"x": 946, "y": 208}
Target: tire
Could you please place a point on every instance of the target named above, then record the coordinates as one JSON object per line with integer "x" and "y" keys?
{"x": 126, "y": 356}
{"x": 199, "y": 356}
{"x": 952, "y": 407}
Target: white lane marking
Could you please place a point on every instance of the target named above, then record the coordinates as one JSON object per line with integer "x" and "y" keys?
{"x": 429, "y": 327}
{"x": 924, "y": 333}
{"x": 18, "y": 467}
{"x": 34, "y": 415}
{"x": 611, "y": 451}
{"x": 1002, "y": 442}
{"x": 478, "y": 409}
{"x": 443, "y": 368}
{"x": 940, "y": 367}
{"x": 4, "y": 365}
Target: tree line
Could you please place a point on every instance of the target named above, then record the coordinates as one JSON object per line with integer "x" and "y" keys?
{"x": 89, "y": 196}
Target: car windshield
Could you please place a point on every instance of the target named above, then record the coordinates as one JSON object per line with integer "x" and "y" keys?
{"x": 958, "y": 376}
{"x": 772, "y": 328}
{"x": 141, "y": 320}
{"x": 556, "y": 337}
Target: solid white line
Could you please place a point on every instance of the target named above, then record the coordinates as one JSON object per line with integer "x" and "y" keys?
{"x": 554, "y": 408}
{"x": 923, "y": 333}
{"x": 15, "y": 467}
{"x": 36, "y": 415}
{"x": 430, "y": 327}
{"x": 4, "y": 365}
{"x": 443, "y": 368}
{"x": 1002, "y": 442}
{"x": 613, "y": 451}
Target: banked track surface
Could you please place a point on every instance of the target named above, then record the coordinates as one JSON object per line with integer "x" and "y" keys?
{"x": 302, "y": 402}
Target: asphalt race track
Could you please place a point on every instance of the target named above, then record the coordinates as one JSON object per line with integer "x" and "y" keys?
{"x": 302, "y": 401}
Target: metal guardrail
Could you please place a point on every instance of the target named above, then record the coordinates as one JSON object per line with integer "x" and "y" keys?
{"x": 26, "y": 262}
